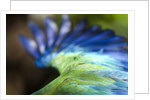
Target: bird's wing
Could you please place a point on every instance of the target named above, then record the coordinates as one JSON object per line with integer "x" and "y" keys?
{"x": 93, "y": 39}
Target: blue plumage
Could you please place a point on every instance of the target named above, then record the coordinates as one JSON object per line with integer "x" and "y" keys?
{"x": 93, "y": 39}
{"x": 103, "y": 47}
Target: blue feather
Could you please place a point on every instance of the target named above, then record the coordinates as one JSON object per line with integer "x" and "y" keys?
{"x": 113, "y": 39}
{"x": 38, "y": 35}
{"x": 64, "y": 29}
{"x": 105, "y": 46}
{"x": 86, "y": 34}
{"x": 99, "y": 37}
{"x": 76, "y": 31}
{"x": 30, "y": 46}
{"x": 68, "y": 39}
{"x": 119, "y": 92}
{"x": 51, "y": 29}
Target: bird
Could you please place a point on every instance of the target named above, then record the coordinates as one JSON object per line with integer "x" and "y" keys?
{"x": 91, "y": 61}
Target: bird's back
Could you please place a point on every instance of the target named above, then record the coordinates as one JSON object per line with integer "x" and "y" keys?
{"x": 88, "y": 73}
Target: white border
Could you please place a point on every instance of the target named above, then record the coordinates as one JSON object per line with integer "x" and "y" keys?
{"x": 141, "y": 27}
{"x": 130, "y": 57}
{"x": 5, "y": 4}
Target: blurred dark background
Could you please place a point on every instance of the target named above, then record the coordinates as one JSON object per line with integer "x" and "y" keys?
{"x": 22, "y": 77}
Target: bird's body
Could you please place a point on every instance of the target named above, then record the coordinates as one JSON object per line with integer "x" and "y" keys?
{"x": 87, "y": 73}
{"x": 95, "y": 66}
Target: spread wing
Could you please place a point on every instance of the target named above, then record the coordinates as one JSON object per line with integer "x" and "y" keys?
{"x": 57, "y": 40}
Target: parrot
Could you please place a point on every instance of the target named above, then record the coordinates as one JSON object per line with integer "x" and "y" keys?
{"x": 91, "y": 61}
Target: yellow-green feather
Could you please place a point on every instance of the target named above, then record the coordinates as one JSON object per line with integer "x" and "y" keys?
{"x": 78, "y": 75}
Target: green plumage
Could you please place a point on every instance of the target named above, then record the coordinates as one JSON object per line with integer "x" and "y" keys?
{"x": 82, "y": 74}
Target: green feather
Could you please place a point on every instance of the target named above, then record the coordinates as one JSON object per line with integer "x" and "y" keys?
{"x": 79, "y": 75}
